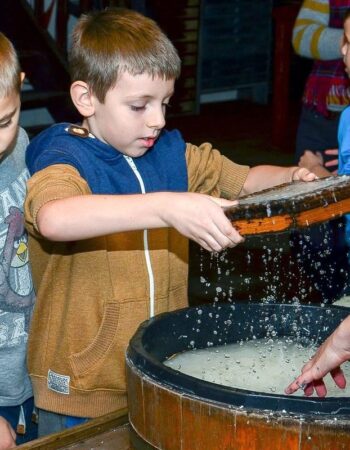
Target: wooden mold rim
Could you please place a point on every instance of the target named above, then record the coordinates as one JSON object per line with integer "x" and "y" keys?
{"x": 324, "y": 199}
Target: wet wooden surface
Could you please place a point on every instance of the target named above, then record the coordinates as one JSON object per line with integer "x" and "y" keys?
{"x": 103, "y": 433}
{"x": 117, "y": 438}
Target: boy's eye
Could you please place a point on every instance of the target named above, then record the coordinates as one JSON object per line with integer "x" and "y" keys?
{"x": 137, "y": 108}
{"x": 5, "y": 124}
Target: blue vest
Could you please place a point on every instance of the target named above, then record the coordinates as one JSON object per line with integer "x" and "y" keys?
{"x": 105, "y": 169}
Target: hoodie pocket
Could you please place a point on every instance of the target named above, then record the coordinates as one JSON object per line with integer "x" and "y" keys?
{"x": 90, "y": 367}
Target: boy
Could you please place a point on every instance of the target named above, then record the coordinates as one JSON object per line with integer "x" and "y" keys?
{"x": 16, "y": 287}
{"x": 110, "y": 207}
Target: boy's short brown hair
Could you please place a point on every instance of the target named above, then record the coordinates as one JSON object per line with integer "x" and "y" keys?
{"x": 116, "y": 40}
{"x": 10, "y": 70}
{"x": 346, "y": 15}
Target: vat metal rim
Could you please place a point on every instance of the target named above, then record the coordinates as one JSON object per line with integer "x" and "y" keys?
{"x": 240, "y": 398}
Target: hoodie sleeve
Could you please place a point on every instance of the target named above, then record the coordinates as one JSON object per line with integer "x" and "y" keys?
{"x": 52, "y": 183}
{"x": 211, "y": 173}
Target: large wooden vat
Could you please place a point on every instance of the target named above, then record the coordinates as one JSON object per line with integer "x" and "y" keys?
{"x": 173, "y": 411}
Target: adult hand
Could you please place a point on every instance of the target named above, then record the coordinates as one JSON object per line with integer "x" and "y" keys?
{"x": 328, "y": 358}
{"x": 7, "y": 435}
{"x": 333, "y": 162}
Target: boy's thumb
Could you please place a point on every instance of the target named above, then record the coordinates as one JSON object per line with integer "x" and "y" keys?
{"x": 225, "y": 203}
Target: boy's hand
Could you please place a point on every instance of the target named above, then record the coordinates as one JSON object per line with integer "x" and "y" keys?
{"x": 201, "y": 218}
{"x": 7, "y": 435}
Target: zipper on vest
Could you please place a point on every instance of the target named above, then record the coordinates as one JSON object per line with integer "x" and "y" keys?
{"x": 131, "y": 163}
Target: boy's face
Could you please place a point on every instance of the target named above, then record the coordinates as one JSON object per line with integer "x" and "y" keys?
{"x": 9, "y": 117}
{"x": 133, "y": 114}
{"x": 346, "y": 45}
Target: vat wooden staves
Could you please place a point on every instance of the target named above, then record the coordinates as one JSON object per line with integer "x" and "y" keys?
{"x": 292, "y": 205}
{"x": 108, "y": 432}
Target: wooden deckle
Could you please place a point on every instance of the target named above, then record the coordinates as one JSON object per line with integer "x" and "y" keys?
{"x": 292, "y": 205}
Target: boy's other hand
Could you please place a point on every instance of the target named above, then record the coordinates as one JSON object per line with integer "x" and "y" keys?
{"x": 303, "y": 174}
{"x": 201, "y": 218}
{"x": 7, "y": 435}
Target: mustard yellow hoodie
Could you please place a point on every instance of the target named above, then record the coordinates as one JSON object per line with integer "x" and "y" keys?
{"x": 93, "y": 294}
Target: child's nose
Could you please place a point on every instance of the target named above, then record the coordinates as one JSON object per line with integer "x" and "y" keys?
{"x": 344, "y": 48}
{"x": 156, "y": 119}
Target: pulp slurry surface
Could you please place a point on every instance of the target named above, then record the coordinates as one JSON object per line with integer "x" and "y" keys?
{"x": 262, "y": 365}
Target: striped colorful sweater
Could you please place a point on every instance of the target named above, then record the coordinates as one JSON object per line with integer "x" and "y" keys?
{"x": 317, "y": 34}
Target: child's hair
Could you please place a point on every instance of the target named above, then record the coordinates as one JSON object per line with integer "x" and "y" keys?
{"x": 116, "y": 40}
{"x": 346, "y": 15}
{"x": 10, "y": 70}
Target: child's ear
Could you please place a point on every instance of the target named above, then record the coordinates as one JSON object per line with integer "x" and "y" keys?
{"x": 22, "y": 76}
{"x": 82, "y": 99}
